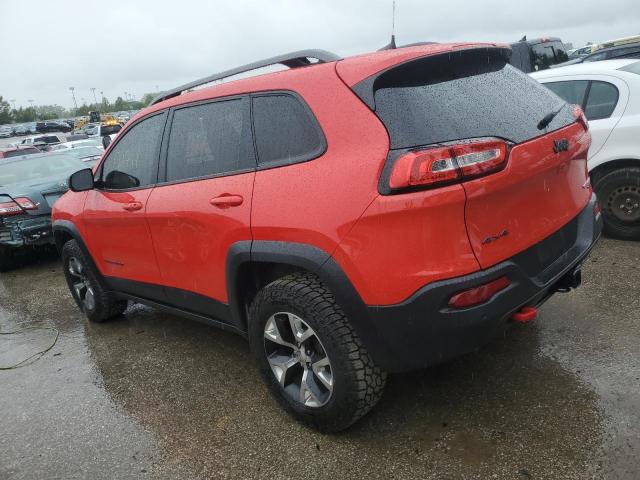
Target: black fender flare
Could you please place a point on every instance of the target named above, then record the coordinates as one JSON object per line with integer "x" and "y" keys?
{"x": 68, "y": 227}
{"x": 311, "y": 259}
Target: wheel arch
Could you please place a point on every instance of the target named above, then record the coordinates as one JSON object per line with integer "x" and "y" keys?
{"x": 63, "y": 231}
{"x": 253, "y": 264}
{"x": 602, "y": 169}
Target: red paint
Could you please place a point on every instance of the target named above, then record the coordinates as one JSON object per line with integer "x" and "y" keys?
{"x": 525, "y": 315}
{"x": 478, "y": 295}
{"x": 178, "y": 235}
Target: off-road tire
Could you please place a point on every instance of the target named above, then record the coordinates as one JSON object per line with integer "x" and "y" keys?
{"x": 605, "y": 188}
{"x": 358, "y": 382}
{"x": 106, "y": 305}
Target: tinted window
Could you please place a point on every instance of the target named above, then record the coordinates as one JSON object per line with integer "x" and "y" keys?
{"x": 561, "y": 53}
{"x": 285, "y": 130}
{"x": 596, "y": 57}
{"x": 464, "y": 95}
{"x": 209, "y": 139}
{"x": 132, "y": 161}
{"x": 543, "y": 56}
{"x": 571, "y": 91}
{"x": 602, "y": 100}
{"x": 629, "y": 52}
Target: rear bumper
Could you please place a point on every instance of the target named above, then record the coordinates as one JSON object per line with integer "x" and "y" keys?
{"x": 423, "y": 330}
{"x": 20, "y": 231}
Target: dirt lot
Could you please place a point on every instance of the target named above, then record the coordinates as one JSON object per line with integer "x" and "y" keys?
{"x": 155, "y": 396}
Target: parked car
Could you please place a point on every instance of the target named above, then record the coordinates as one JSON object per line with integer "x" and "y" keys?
{"x": 89, "y": 154}
{"x": 88, "y": 142}
{"x": 102, "y": 130}
{"x": 579, "y": 52}
{"x": 29, "y": 186}
{"x": 617, "y": 52}
{"x": 18, "y": 151}
{"x": 350, "y": 217}
{"x": 41, "y": 141}
{"x": 537, "y": 54}
{"x": 609, "y": 93}
{"x": 24, "y": 129}
{"x": 6, "y": 132}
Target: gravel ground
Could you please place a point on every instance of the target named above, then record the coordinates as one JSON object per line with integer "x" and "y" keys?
{"x": 151, "y": 395}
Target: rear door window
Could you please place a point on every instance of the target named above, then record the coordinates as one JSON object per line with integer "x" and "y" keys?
{"x": 210, "y": 139}
{"x": 601, "y": 101}
{"x": 285, "y": 130}
{"x": 132, "y": 162}
{"x": 469, "y": 94}
{"x": 571, "y": 91}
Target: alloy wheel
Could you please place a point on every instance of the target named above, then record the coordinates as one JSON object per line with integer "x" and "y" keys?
{"x": 80, "y": 283}
{"x": 298, "y": 359}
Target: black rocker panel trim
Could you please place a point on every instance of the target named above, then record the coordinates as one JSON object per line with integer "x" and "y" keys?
{"x": 175, "y": 298}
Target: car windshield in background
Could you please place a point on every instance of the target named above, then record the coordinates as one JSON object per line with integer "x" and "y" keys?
{"x": 38, "y": 167}
{"x": 632, "y": 68}
{"x": 84, "y": 152}
{"x": 467, "y": 95}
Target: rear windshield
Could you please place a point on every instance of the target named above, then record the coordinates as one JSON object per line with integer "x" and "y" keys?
{"x": 468, "y": 94}
{"x": 38, "y": 168}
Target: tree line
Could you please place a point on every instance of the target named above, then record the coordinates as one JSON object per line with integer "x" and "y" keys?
{"x": 49, "y": 112}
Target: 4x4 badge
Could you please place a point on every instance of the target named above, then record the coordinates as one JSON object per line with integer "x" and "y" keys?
{"x": 561, "y": 145}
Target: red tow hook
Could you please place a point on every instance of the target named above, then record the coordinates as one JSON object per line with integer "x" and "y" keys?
{"x": 525, "y": 314}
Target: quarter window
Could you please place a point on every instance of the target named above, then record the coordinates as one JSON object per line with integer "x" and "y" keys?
{"x": 602, "y": 100}
{"x": 285, "y": 130}
{"x": 210, "y": 139}
{"x": 132, "y": 163}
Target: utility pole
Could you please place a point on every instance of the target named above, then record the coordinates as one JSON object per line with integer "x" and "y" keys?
{"x": 75, "y": 104}
{"x": 93, "y": 90}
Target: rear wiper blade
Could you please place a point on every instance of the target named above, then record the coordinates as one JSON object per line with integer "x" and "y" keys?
{"x": 546, "y": 120}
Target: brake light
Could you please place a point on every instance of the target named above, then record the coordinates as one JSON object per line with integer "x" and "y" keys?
{"x": 580, "y": 116}
{"x": 453, "y": 163}
{"x": 8, "y": 209}
{"x": 478, "y": 295}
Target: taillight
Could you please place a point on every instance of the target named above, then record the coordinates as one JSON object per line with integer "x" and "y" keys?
{"x": 449, "y": 164}
{"x": 8, "y": 209}
{"x": 478, "y": 295}
{"x": 580, "y": 116}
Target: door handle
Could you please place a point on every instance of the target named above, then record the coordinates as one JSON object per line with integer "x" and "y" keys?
{"x": 132, "y": 206}
{"x": 226, "y": 200}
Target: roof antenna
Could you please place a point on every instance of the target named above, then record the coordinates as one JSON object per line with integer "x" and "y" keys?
{"x": 392, "y": 44}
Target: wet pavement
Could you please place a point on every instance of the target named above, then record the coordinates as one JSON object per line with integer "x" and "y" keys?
{"x": 155, "y": 396}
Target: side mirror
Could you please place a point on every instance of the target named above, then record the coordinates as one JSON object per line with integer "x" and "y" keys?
{"x": 106, "y": 140}
{"x": 81, "y": 181}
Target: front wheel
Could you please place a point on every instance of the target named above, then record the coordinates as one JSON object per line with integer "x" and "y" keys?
{"x": 309, "y": 355}
{"x": 619, "y": 197}
{"x": 97, "y": 303}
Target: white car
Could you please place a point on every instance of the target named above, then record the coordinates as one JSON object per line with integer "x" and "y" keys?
{"x": 89, "y": 142}
{"x": 41, "y": 141}
{"x": 609, "y": 93}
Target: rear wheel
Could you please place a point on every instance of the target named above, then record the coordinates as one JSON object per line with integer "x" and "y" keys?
{"x": 309, "y": 355}
{"x": 619, "y": 197}
{"x": 97, "y": 303}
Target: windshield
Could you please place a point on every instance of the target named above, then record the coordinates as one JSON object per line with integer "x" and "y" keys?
{"x": 469, "y": 95}
{"x": 83, "y": 152}
{"x": 36, "y": 168}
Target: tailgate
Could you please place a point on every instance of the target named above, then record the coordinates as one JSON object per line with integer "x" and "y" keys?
{"x": 538, "y": 193}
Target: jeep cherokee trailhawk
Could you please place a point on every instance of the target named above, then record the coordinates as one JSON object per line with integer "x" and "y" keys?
{"x": 350, "y": 217}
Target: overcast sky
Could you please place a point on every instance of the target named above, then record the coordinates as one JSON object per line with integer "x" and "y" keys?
{"x": 133, "y": 46}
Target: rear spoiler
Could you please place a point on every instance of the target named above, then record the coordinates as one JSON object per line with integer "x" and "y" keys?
{"x": 366, "y": 88}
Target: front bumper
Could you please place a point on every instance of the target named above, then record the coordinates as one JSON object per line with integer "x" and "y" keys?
{"x": 22, "y": 230}
{"x": 423, "y": 330}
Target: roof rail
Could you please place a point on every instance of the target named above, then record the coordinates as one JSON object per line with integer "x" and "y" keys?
{"x": 300, "y": 58}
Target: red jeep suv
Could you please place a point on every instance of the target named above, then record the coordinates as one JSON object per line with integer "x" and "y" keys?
{"x": 349, "y": 217}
